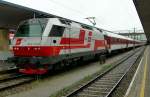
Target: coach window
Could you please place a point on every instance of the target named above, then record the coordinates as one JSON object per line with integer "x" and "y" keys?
{"x": 57, "y": 31}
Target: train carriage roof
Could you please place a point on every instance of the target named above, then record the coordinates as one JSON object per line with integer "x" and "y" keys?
{"x": 111, "y": 34}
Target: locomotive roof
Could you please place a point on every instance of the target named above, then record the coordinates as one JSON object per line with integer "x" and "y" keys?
{"x": 106, "y": 32}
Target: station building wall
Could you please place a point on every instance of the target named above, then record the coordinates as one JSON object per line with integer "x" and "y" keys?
{"x": 4, "y": 39}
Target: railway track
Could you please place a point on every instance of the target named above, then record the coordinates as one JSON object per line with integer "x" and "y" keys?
{"x": 12, "y": 80}
{"x": 9, "y": 76}
{"x": 104, "y": 84}
{"x": 11, "y": 70}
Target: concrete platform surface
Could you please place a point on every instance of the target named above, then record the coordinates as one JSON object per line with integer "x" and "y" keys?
{"x": 140, "y": 85}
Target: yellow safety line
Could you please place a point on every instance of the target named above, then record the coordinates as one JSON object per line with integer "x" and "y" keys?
{"x": 142, "y": 92}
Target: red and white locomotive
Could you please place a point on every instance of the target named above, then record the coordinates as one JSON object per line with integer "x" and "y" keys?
{"x": 43, "y": 43}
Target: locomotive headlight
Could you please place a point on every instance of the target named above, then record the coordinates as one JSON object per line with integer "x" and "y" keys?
{"x": 28, "y": 48}
{"x": 16, "y": 48}
{"x": 35, "y": 48}
{"x": 39, "y": 48}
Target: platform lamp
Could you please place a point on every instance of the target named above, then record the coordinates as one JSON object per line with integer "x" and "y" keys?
{"x": 92, "y": 20}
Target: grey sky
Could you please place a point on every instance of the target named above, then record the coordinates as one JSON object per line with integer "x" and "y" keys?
{"x": 110, "y": 14}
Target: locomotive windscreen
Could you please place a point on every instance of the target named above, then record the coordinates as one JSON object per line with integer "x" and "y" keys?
{"x": 31, "y": 28}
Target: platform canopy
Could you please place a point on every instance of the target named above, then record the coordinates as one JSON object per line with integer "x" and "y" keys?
{"x": 143, "y": 9}
{"x": 11, "y": 14}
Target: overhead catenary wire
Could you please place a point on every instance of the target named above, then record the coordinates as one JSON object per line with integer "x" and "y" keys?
{"x": 68, "y": 8}
{"x": 77, "y": 11}
{"x": 99, "y": 22}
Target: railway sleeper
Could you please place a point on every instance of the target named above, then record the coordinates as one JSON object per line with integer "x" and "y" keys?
{"x": 114, "y": 75}
{"x": 97, "y": 89}
{"x": 91, "y": 92}
{"x": 104, "y": 83}
{"x": 86, "y": 95}
{"x": 112, "y": 79}
{"x": 115, "y": 72}
{"x": 101, "y": 86}
{"x": 107, "y": 81}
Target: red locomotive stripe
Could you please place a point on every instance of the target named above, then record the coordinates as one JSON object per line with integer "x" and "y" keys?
{"x": 79, "y": 40}
{"x": 55, "y": 50}
{"x": 99, "y": 43}
{"x": 80, "y": 46}
{"x": 43, "y": 50}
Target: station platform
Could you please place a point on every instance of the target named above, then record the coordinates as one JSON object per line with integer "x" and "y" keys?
{"x": 140, "y": 84}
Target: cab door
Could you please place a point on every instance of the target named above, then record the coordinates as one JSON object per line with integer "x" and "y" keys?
{"x": 65, "y": 41}
{"x": 68, "y": 49}
{"x": 56, "y": 35}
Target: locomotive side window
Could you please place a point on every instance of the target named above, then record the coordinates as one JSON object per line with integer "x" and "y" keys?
{"x": 57, "y": 31}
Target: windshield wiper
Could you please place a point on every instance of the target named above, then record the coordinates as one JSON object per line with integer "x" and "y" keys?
{"x": 40, "y": 25}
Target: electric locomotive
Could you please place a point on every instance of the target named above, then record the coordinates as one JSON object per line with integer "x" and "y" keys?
{"x": 41, "y": 44}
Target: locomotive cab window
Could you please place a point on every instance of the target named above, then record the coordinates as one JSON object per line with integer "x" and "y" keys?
{"x": 57, "y": 31}
{"x": 31, "y": 28}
